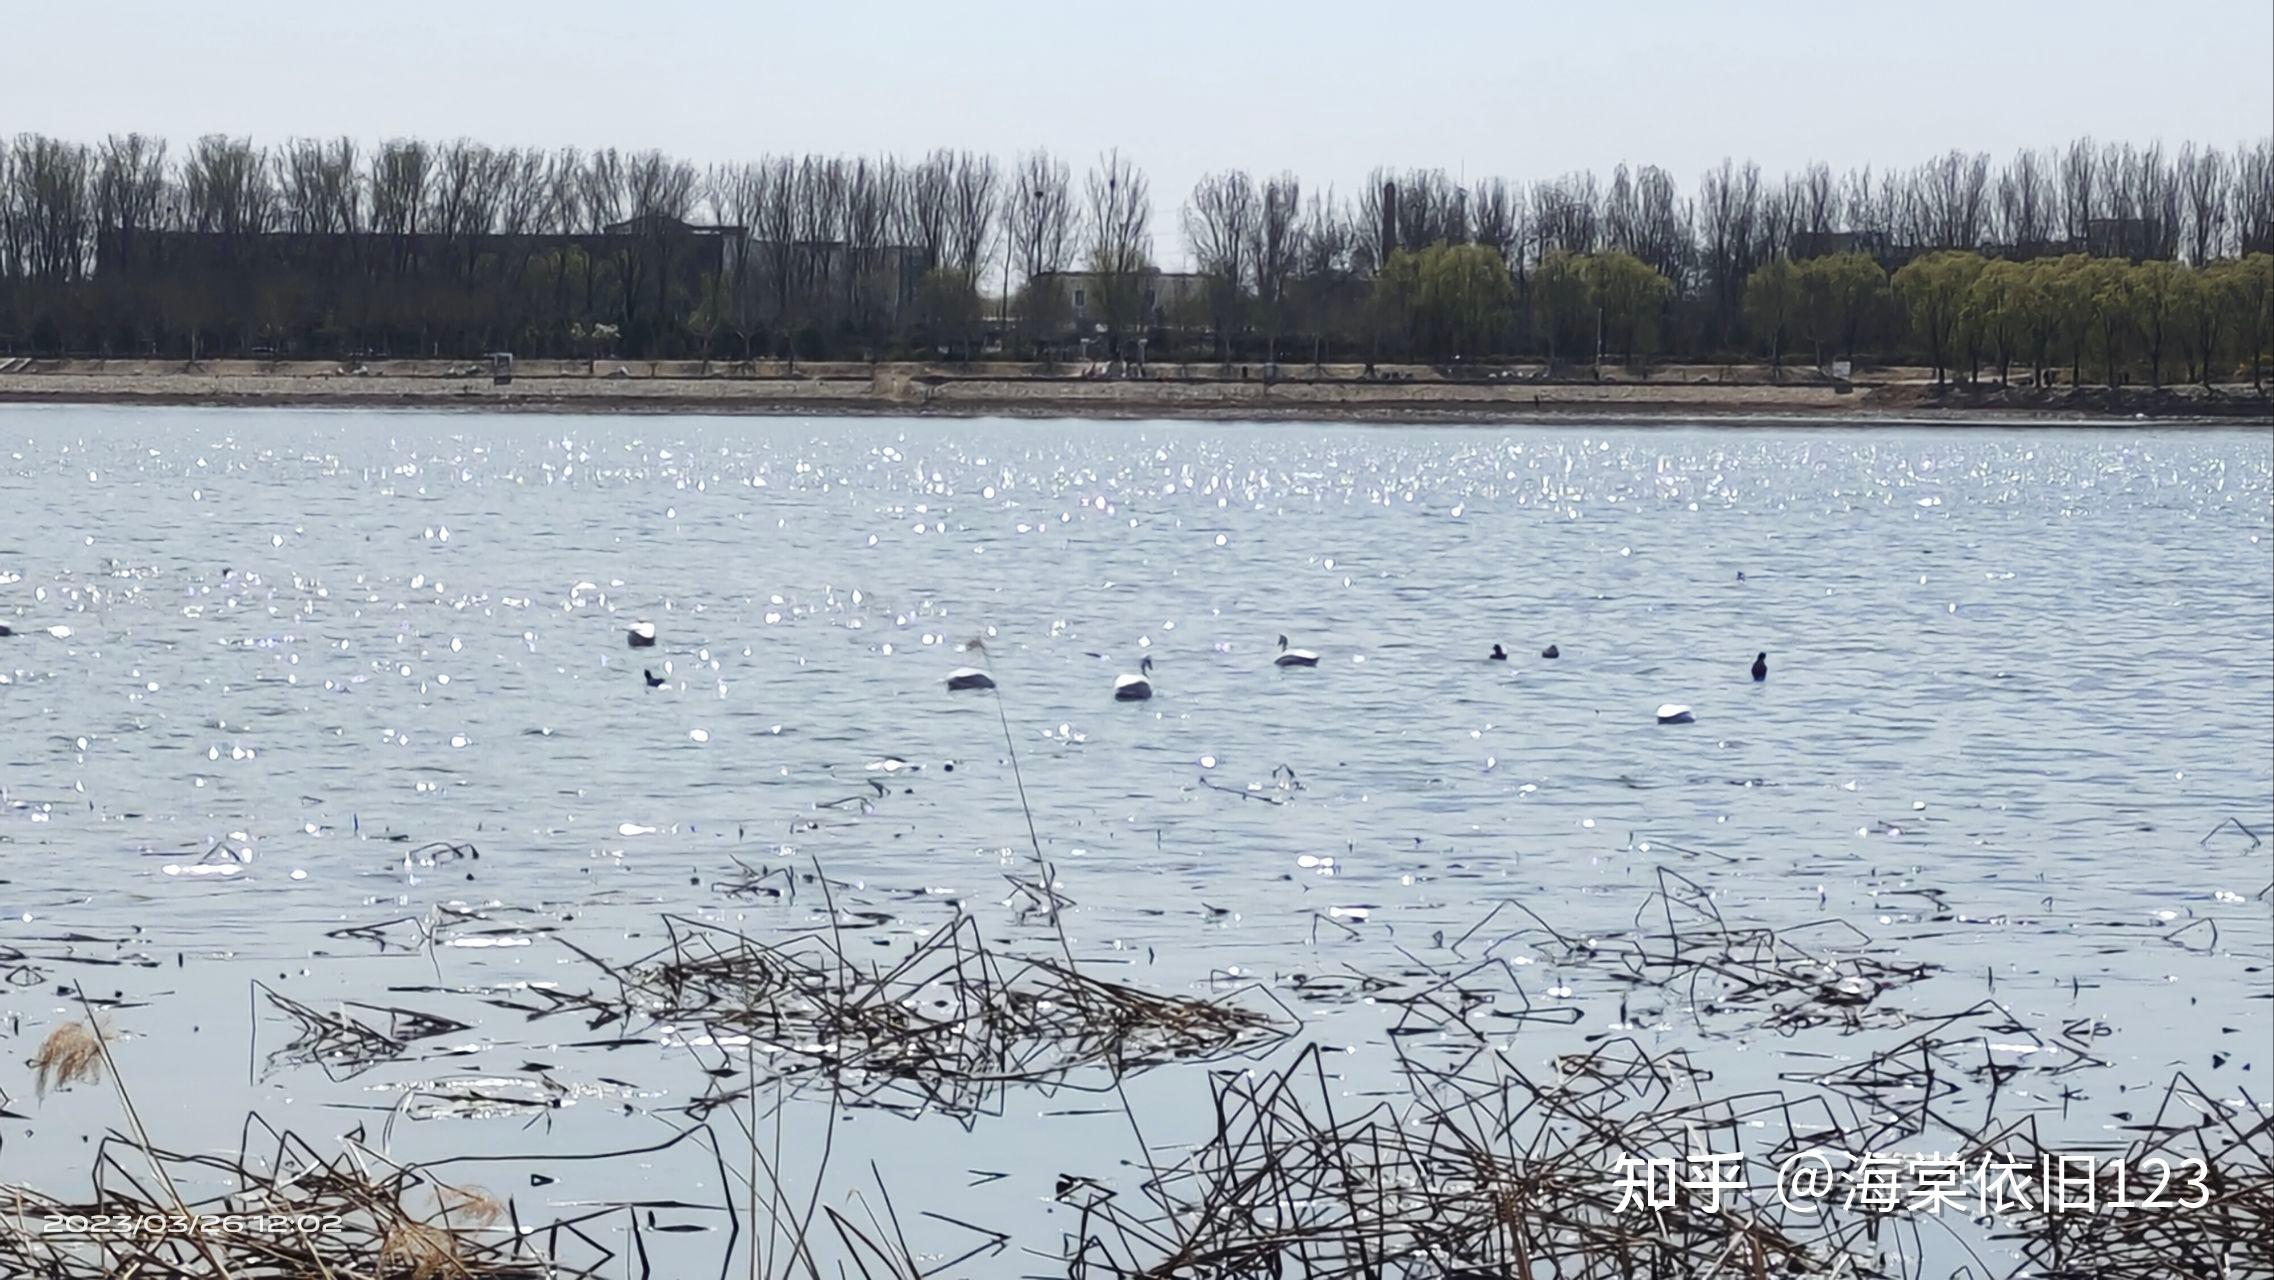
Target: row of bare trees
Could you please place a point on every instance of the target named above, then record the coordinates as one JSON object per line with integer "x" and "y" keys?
{"x": 318, "y": 245}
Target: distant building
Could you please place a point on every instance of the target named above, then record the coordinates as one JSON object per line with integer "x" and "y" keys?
{"x": 1875, "y": 245}
{"x": 826, "y": 270}
{"x": 683, "y": 252}
{"x": 1823, "y": 244}
{"x": 2119, "y": 238}
{"x": 2026, "y": 250}
{"x": 1076, "y": 299}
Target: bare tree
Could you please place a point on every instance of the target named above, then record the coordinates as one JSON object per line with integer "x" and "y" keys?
{"x": 1649, "y": 221}
{"x": 600, "y": 191}
{"x": 1567, "y": 215}
{"x": 226, "y": 188}
{"x": 1817, "y": 211}
{"x": 777, "y": 197}
{"x": 1431, "y": 209}
{"x": 1040, "y": 215}
{"x": 1121, "y": 241}
{"x": 2162, "y": 204}
{"x": 1953, "y": 197}
{"x": 660, "y": 192}
{"x": 130, "y": 192}
{"x": 822, "y": 183}
{"x": 1375, "y": 228}
{"x": 926, "y": 199}
{"x": 1867, "y": 207}
{"x": 49, "y": 208}
{"x": 872, "y": 194}
{"x": 2080, "y": 190}
{"x": 399, "y": 174}
{"x": 1493, "y": 215}
{"x": 2025, "y": 203}
{"x": 1780, "y": 217}
{"x": 467, "y": 181}
{"x": 973, "y": 207}
{"x": 563, "y": 210}
{"x": 1728, "y": 205}
{"x": 522, "y": 193}
{"x": 1273, "y": 256}
{"x": 737, "y": 193}
{"x": 322, "y": 192}
{"x": 1326, "y": 266}
{"x": 2250, "y": 198}
{"x": 1220, "y": 222}
{"x": 2203, "y": 181}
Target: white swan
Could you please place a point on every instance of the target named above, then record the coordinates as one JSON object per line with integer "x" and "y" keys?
{"x": 1136, "y": 688}
{"x": 1294, "y": 657}
{"x": 1674, "y": 713}
{"x": 969, "y": 678}
{"x": 642, "y": 635}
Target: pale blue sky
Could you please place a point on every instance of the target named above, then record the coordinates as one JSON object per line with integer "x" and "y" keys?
{"x": 1326, "y": 88}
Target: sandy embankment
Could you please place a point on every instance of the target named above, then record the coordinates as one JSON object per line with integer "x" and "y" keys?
{"x": 1336, "y": 392}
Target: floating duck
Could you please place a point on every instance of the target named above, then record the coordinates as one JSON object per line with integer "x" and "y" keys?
{"x": 1498, "y": 654}
{"x": 1136, "y": 688}
{"x": 654, "y": 681}
{"x": 969, "y": 678}
{"x": 1760, "y": 666}
{"x": 641, "y": 636}
{"x": 1551, "y": 652}
{"x": 1674, "y": 713}
{"x": 1294, "y": 657}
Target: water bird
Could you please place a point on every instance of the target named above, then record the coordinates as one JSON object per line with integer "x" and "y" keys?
{"x": 1674, "y": 713}
{"x": 1294, "y": 657}
{"x": 654, "y": 681}
{"x": 969, "y": 678}
{"x": 1499, "y": 654}
{"x": 1760, "y": 666}
{"x": 6, "y": 631}
{"x": 1551, "y": 652}
{"x": 1136, "y": 688}
{"x": 642, "y": 635}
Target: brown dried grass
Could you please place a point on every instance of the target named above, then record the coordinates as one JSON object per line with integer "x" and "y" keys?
{"x": 71, "y": 1054}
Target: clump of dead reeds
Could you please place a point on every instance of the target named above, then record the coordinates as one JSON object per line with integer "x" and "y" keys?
{"x": 71, "y": 1054}
{"x": 944, "y": 1027}
{"x": 350, "y": 1214}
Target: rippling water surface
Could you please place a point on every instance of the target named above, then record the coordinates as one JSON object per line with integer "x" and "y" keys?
{"x": 2018, "y": 679}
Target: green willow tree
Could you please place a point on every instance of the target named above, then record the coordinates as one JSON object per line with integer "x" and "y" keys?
{"x": 1932, "y": 291}
{"x": 2069, "y": 295}
{"x": 1996, "y": 312}
{"x": 1559, "y": 299}
{"x": 1772, "y": 298}
{"x": 1467, "y": 298}
{"x": 1448, "y": 301}
{"x": 2158, "y": 294}
{"x": 2244, "y": 288}
{"x": 1837, "y": 293}
{"x": 2109, "y": 287}
{"x": 1630, "y": 295}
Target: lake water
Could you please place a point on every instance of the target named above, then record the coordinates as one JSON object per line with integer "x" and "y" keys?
{"x": 2018, "y": 681}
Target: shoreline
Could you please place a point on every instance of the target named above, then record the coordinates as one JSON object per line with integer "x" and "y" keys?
{"x": 1667, "y": 414}
{"x": 1416, "y": 397}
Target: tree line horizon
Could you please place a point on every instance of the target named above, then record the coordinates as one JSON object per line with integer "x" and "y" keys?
{"x": 2124, "y": 261}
